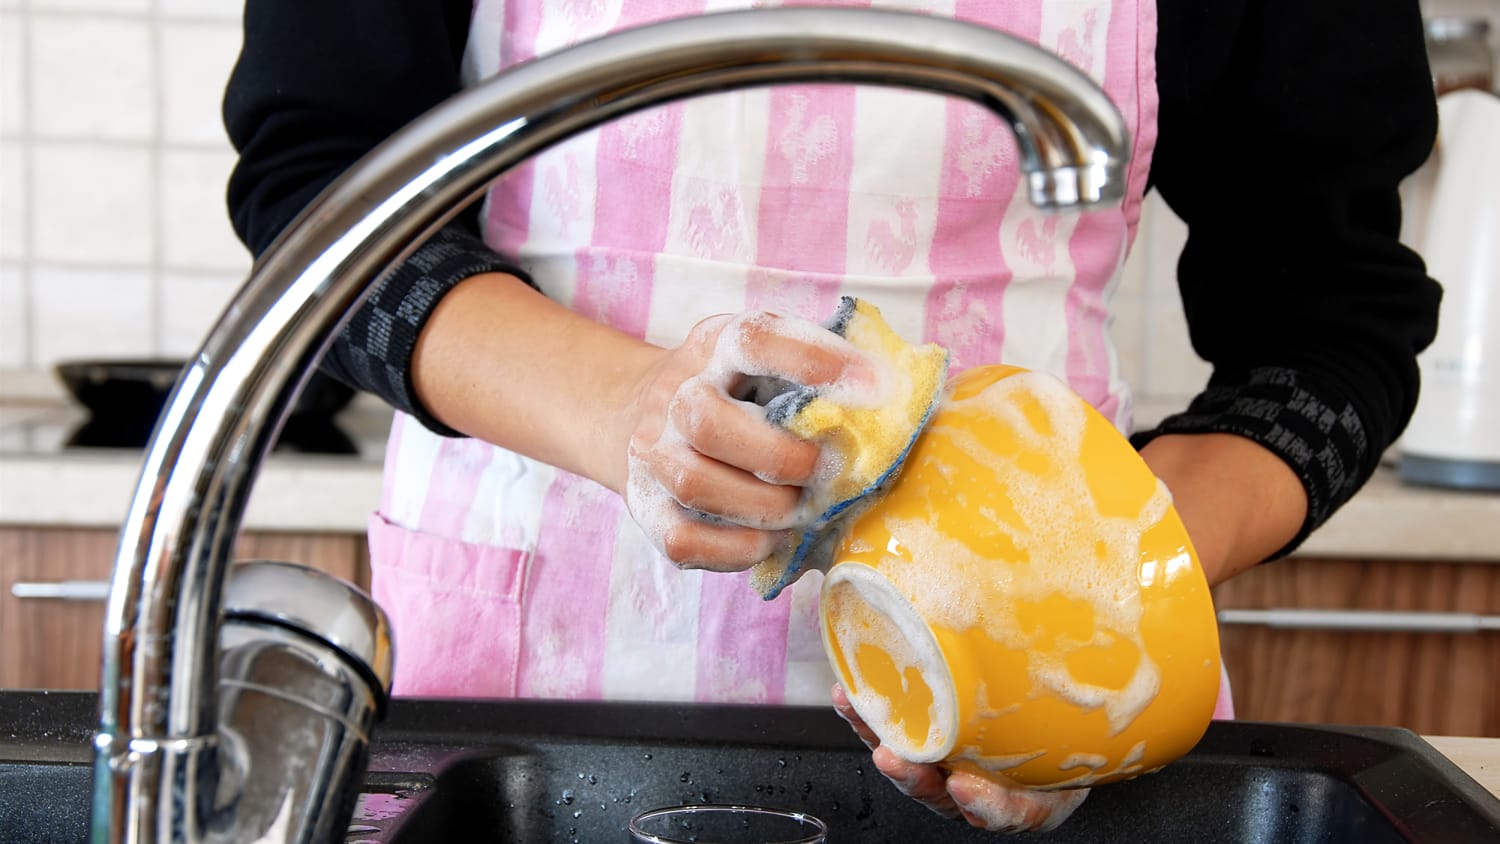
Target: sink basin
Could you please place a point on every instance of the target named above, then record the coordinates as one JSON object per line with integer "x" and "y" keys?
{"x": 492, "y": 771}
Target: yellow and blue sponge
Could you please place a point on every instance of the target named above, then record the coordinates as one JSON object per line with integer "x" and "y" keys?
{"x": 865, "y": 439}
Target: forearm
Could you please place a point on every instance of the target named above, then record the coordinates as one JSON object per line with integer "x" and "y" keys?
{"x": 1239, "y": 502}
{"x": 1298, "y": 291}
{"x": 498, "y": 361}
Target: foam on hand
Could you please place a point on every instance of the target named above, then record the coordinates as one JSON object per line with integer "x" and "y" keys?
{"x": 864, "y": 431}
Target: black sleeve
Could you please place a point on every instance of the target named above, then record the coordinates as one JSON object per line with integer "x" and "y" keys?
{"x": 317, "y": 85}
{"x": 1285, "y": 130}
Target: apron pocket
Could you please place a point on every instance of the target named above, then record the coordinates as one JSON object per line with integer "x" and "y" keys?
{"x": 454, "y": 608}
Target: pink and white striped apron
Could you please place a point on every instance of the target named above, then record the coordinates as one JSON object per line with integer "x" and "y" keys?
{"x": 506, "y": 577}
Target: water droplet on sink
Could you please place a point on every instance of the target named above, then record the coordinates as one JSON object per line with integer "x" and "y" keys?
{"x": 593, "y": 780}
{"x": 567, "y": 797}
{"x": 648, "y": 757}
{"x": 781, "y": 762}
{"x": 577, "y": 813}
{"x": 685, "y": 777}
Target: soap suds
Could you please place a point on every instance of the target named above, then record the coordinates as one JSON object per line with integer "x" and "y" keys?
{"x": 1036, "y": 496}
{"x": 996, "y": 764}
{"x": 863, "y": 609}
{"x": 1128, "y": 767}
{"x": 1058, "y": 532}
{"x": 1092, "y": 761}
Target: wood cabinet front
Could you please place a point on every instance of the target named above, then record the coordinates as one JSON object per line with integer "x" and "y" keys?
{"x": 1435, "y": 683}
{"x": 54, "y": 643}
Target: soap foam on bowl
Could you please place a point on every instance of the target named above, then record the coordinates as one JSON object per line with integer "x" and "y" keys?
{"x": 896, "y": 675}
{"x": 1028, "y": 543}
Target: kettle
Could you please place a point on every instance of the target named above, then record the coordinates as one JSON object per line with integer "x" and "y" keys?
{"x": 1453, "y": 439}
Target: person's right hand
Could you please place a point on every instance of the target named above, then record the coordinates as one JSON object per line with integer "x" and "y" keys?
{"x": 712, "y": 483}
{"x": 983, "y": 803}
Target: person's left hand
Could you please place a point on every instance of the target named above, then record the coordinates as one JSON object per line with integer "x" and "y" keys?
{"x": 984, "y": 803}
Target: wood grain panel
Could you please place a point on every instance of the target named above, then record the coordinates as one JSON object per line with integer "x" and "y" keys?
{"x": 55, "y": 644}
{"x": 1442, "y": 684}
{"x": 51, "y": 644}
{"x": 344, "y": 556}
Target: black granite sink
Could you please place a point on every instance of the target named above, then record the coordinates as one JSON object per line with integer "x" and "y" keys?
{"x": 459, "y": 771}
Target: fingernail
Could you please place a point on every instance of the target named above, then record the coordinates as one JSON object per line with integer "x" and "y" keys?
{"x": 892, "y": 765}
{"x": 962, "y": 789}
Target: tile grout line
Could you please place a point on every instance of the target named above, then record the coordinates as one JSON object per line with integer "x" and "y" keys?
{"x": 96, "y": 14}
{"x": 157, "y": 277}
{"x": 127, "y": 267}
{"x": 29, "y": 356}
{"x": 112, "y": 143}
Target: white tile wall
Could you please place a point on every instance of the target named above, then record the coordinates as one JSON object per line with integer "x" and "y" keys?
{"x": 91, "y": 204}
{"x": 12, "y": 75}
{"x": 13, "y": 203}
{"x": 14, "y": 334}
{"x": 82, "y": 313}
{"x": 194, "y": 221}
{"x": 196, "y": 58}
{"x": 114, "y": 238}
{"x": 224, "y": 10}
{"x": 190, "y": 304}
{"x": 92, "y": 78}
{"x": 107, "y": 7}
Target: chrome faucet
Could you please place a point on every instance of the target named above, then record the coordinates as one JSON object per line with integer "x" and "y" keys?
{"x": 236, "y": 702}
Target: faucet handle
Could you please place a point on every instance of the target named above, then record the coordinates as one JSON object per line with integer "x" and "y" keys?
{"x": 315, "y": 604}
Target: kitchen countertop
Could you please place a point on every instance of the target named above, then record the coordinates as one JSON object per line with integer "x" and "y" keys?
{"x": 43, "y": 481}
{"x": 1477, "y": 757}
{"x": 46, "y": 481}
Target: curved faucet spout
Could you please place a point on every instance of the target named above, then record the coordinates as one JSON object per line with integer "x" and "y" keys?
{"x": 160, "y": 708}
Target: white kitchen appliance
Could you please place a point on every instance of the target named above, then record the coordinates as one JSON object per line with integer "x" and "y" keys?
{"x": 1454, "y": 437}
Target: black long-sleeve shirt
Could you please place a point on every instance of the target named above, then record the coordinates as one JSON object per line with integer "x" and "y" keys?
{"x": 1285, "y": 129}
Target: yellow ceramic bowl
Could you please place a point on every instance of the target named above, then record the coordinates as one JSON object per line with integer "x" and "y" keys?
{"x": 1024, "y": 602}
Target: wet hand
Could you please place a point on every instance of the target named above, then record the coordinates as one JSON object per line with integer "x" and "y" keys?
{"x": 983, "y": 803}
{"x": 712, "y": 483}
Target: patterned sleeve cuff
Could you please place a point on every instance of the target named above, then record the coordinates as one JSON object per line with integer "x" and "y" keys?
{"x": 1318, "y": 434}
{"x": 375, "y": 349}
